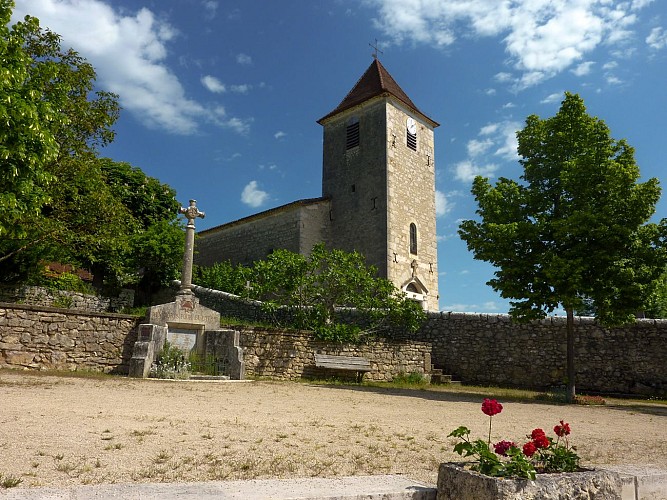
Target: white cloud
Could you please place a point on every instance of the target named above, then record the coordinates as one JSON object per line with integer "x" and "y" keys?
{"x": 244, "y": 59}
{"x": 238, "y": 125}
{"x": 240, "y": 89}
{"x": 508, "y": 141}
{"x": 476, "y": 148}
{"x": 280, "y": 134}
{"x": 542, "y": 37}
{"x": 613, "y": 80}
{"x": 129, "y": 52}
{"x": 509, "y": 105}
{"x": 212, "y": 84}
{"x": 503, "y": 77}
{"x": 551, "y": 98}
{"x": 583, "y": 68}
{"x": 657, "y": 39}
{"x": 466, "y": 171}
{"x": 498, "y": 140}
{"x": 253, "y": 196}
{"x": 442, "y": 204}
{"x": 211, "y": 7}
{"x": 491, "y": 128}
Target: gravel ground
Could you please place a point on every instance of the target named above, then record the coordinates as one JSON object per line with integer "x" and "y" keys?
{"x": 61, "y": 431}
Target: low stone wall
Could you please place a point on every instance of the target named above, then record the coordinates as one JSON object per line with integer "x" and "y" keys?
{"x": 290, "y": 355}
{"x": 51, "y": 338}
{"x": 41, "y": 296}
{"x": 491, "y": 349}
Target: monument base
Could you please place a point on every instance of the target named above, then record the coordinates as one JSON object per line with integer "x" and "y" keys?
{"x": 193, "y": 329}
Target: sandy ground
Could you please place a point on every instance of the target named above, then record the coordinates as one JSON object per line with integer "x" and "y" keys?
{"x": 58, "y": 431}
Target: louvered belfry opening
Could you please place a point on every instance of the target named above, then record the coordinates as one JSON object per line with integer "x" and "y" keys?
{"x": 352, "y": 135}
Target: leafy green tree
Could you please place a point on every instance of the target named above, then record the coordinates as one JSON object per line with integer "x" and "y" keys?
{"x": 52, "y": 189}
{"x": 59, "y": 200}
{"x": 575, "y": 228}
{"x": 27, "y": 142}
{"x": 657, "y": 303}
{"x": 315, "y": 287}
{"x": 155, "y": 237}
{"x": 223, "y": 276}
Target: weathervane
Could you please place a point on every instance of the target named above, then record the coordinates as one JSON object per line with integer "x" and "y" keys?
{"x": 375, "y": 52}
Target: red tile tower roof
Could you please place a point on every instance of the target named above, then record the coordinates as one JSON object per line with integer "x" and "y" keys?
{"x": 374, "y": 82}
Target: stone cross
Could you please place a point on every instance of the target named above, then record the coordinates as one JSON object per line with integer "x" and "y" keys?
{"x": 191, "y": 213}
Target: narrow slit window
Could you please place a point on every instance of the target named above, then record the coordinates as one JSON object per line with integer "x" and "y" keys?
{"x": 413, "y": 239}
{"x": 352, "y": 133}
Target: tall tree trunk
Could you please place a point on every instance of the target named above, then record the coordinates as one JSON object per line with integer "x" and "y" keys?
{"x": 570, "y": 356}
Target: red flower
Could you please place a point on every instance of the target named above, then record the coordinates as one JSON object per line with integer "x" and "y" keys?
{"x": 501, "y": 447}
{"x": 541, "y": 441}
{"x": 491, "y": 407}
{"x": 563, "y": 429}
{"x": 529, "y": 449}
{"x": 537, "y": 433}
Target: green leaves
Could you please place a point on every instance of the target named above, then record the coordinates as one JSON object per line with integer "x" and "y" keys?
{"x": 577, "y": 224}
{"x": 575, "y": 229}
{"x": 314, "y": 288}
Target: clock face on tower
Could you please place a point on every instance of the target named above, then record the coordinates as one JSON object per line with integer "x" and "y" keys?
{"x": 411, "y": 125}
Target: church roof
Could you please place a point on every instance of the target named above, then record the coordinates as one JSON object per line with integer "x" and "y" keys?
{"x": 374, "y": 82}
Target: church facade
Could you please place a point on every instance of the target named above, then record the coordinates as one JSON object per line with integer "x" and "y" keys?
{"x": 378, "y": 194}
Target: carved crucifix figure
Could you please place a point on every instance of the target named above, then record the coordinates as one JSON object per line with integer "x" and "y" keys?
{"x": 191, "y": 213}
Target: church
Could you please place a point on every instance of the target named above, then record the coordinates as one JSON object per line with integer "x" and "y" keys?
{"x": 378, "y": 194}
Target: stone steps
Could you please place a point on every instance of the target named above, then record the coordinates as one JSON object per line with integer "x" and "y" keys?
{"x": 437, "y": 377}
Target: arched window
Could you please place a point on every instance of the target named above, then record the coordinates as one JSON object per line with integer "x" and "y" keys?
{"x": 413, "y": 238}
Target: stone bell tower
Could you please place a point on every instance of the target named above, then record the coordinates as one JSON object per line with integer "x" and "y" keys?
{"x": 379, "y": 175}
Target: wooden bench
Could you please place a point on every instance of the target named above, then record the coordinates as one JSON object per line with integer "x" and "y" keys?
{"x": 348, "y": 363}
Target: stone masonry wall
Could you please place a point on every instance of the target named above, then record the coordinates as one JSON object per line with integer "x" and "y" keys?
{"x": 296, "y": 227}
{"x": 50, "y": 338}
{"x": 355, "y": 179}
{"x": 492, "y": 350}
{"x": 411, "y": 200}
{"x": 41, "y": 296}
{"x": 290, "y": 355}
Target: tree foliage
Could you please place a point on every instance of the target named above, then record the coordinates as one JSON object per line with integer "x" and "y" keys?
{"x": 314, "y": 288}
{"x": 59, "y": 201}
{"x": 575, "y": 229}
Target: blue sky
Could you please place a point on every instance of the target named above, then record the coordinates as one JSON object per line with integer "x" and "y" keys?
{"x": 220, "y": 98}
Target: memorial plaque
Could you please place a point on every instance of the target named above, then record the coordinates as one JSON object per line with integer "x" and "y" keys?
{"x": 182, "y": 338}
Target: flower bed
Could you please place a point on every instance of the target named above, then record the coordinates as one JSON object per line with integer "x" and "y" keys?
{"x": 539, "y": 454}
{"x": 542, "y": 468}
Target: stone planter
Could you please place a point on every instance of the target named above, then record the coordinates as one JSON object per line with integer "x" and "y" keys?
{"x": 457, "y": 483}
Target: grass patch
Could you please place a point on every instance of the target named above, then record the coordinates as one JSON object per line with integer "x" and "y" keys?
{"x": 142, "y": 311}
{"x": 229, "y": 321}
{"x": 9, "y": 481}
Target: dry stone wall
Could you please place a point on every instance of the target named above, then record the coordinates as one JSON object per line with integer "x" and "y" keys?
{"x": 41, "y": 296}
{"x": 50, "y": 338}
{"x": 490, "y": 349}
{"x": 290, "y": 355}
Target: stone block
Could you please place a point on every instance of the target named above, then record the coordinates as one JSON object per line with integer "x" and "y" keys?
{"x": 457, "y": 483}
{"x": 641, "y": 482}
{"x": 20, "y": 358}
